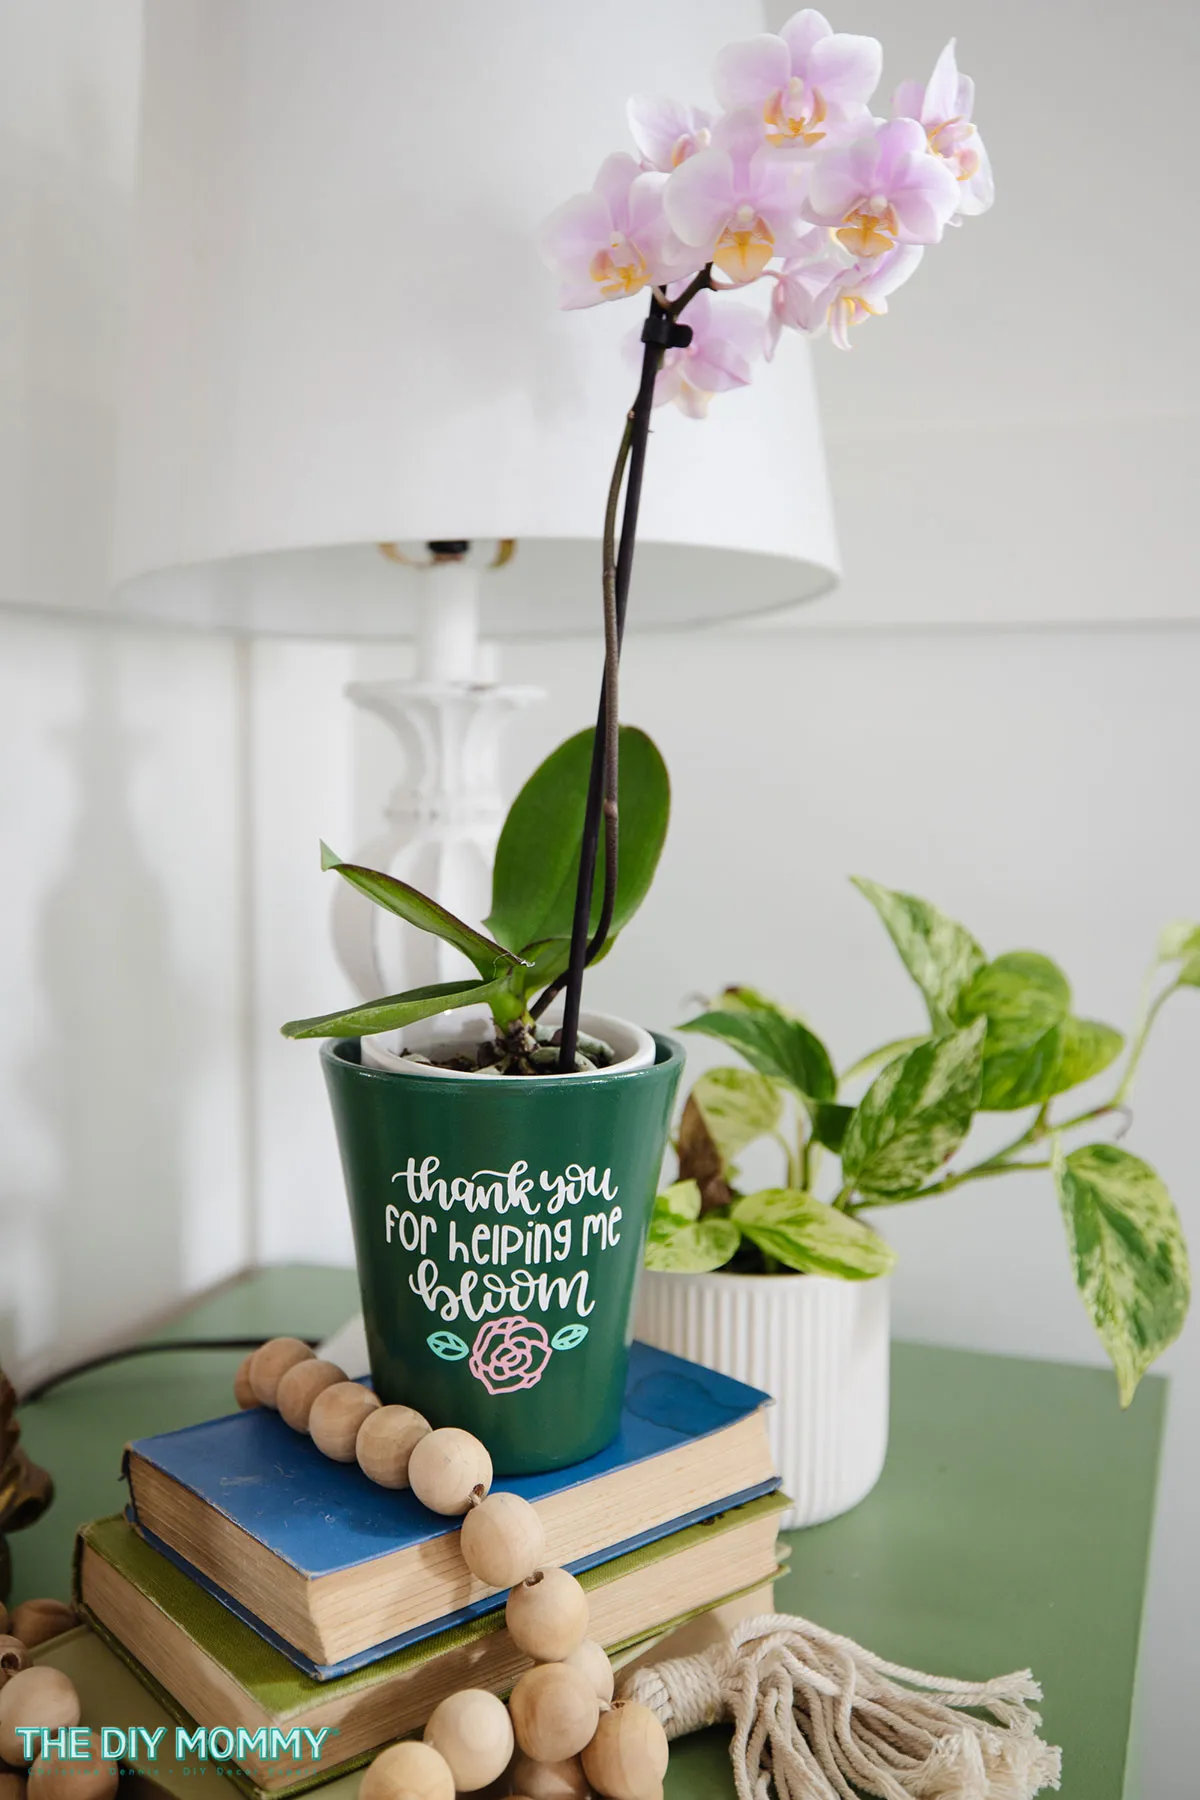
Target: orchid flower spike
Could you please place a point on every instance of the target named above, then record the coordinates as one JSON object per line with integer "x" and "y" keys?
{"x": 884, "y": 188}
{"x": 944, "y": 108}
{"x": 738, "y": 202}
{"x": 614, "y": 241}
{"x": 667, "y": 132}
{"x": 804, "y": 83}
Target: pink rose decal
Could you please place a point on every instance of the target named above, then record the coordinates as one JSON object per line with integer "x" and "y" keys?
{"x": 510, "y": 1354}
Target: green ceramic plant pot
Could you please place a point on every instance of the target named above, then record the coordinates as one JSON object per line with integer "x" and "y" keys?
{"x": 498, "y": 1227}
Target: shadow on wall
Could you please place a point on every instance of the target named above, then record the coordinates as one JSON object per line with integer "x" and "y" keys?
{"x": 105, "y": 1072}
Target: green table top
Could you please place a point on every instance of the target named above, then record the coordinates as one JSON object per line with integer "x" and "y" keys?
{"x": 1011, "y": 1528}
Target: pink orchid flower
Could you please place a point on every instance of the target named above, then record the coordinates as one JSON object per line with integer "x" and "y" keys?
{"x": 739, "y": 201}
{"x": 884, "y": 188}
{"x": 667, "y": 132}
{"x": 804, "y": 82}
{"x": 726, "y": 337}
{"x": 614, "y": 241}
{"x": 829, "y": 291}
{"x": 944, "y": 108}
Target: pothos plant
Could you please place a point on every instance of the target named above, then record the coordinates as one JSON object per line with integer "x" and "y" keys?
{"x": 520, "y": 968}
{"x": 1003, "y": 1038}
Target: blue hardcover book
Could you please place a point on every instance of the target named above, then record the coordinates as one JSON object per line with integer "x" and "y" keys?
{"x": 337, "y": 1572}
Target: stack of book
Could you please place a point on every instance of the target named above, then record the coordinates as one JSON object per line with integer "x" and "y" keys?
{"x": 256, "y": 1587}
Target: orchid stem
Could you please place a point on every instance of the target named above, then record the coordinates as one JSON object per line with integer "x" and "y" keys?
{"x": 602, "y": 784}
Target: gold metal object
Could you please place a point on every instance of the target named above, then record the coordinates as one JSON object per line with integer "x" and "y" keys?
{"x": 25, "y": 1490}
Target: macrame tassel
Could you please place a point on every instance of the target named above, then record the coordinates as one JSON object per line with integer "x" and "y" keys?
{"x": 822, "y": 1719}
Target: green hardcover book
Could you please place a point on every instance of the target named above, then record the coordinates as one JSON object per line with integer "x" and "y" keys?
{"x": 209, "y": 1669}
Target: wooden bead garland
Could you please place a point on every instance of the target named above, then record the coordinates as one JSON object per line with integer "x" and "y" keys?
{"x": 554, "y": 1712}
{"x": 503, "y": 1540}
{"x": 299, "y": 1387}
{"x": 43, "y": 1697}
{"x": 409, "y": 1771}
{"x": 12, "y": 1785}
{"x": 569, "y": 1737}
{"x": 56, "y": 1778}
{"x": 270, "y": 1362}
{"x": 12, "y": 1657}
{"x": 593, "y": 1664}
{"x": 547, "y": 1615}
{"x": 243, "y": 1393}
{"x": 549, "y": 1780}
{"x": 473, "y": 1732}
{"x": 336, "y": 1416}
{"x": 447, "y": 1468}
{"x": 37, "y": 1621}
{"x": 386, "y": 1441}
{"x": 627, "y": 1758}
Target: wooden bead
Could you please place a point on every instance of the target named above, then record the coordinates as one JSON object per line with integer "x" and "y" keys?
{"x": 270, "y": 1362}
{"x": 299, "y": 1387}
{"x": 547, "y": 1616}
{"x": 473, "y": 1732}
{"x": 243, "y": 1393}
{"x": 37, "y": 1621}
{"x": 409, "y": 1771}
{"x": 12, "y": 1785}
{"x": 40, "y": 1696}
{"x": 554, "y": 1712}
{"x": 386, "y": 1441}
{"x": 593, "y": 1664}
{"x": 446, "y": 1467}
{"x": 13, "y": 1657}
{"x": 56, "y": 1778}
{"x": 627, "y": 1758}
{"x": 549, "y": 1780}
{"x": 503, "y": 1540}
{"x": 335, "y": 1417}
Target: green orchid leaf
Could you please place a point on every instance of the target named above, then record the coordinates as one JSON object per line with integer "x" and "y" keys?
{"x": 677, "y": 1205}
{"x": 830, "y": 1123}
{"x": 1189, "y": 974}
{"x": 410, "y": 904}
{"x": 939, "y": 954}
{"x": 537, "y": 858}
{"x": 775, "y": 1044}
{"x": 693, "y": 1249}
{"x": 395, "y": 1010}
{"x": 914, "y": 1115}
{"x": 807, "y": 1235}
{"x": 1035, "y": 1046}
{"x": 1128, "y": 1255}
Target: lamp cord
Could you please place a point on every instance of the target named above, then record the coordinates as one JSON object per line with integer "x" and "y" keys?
{"x": 41, "y": 1388}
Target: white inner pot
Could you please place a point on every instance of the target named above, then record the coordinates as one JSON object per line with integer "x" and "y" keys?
{"x": 818, "y": 1345}
{"x": 456, "y": 1033}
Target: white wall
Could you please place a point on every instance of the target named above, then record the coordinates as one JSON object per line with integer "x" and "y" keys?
{"x": 123, "y": 1183}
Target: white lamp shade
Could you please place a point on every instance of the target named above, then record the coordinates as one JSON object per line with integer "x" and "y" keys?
{"x": 343, "y": 334}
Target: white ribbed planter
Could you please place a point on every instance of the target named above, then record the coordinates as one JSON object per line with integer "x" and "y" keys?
{"x": 819, "y": 1346}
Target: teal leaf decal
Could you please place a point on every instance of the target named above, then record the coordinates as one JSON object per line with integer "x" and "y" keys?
{"x": 568, "y": 1337}
{"x": 448, "y": 1345}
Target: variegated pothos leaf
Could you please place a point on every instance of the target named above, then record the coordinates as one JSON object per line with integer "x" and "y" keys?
{"x": 1128, "y": 1255}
